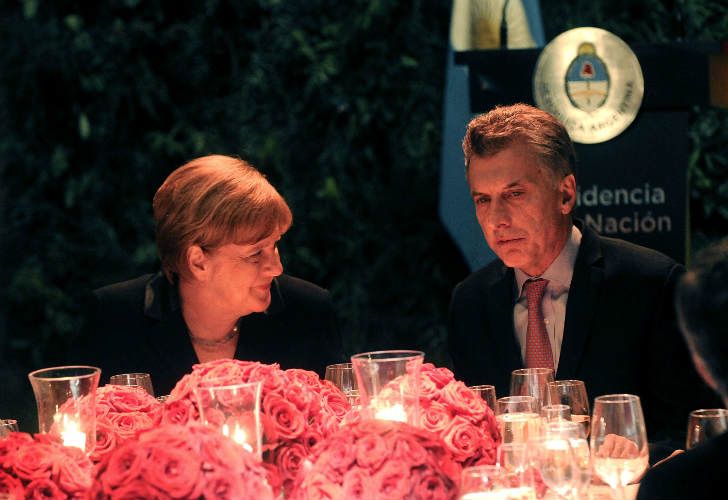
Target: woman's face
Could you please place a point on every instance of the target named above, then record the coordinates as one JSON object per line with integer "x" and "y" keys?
{"x": 240, "y": 276}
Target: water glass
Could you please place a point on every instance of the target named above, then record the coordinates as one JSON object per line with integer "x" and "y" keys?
{"x": 487, "y": 393}
{"x": 389, "y": 384}
{"x": 66, "y": 397}
{"x": 704, "y": 424}
{"x": 518, "y": 418}
{"x": 573, "y": 394}
{"x": 492, "y": 481}
{"x": 142, "y": 380}
{"x": 553, "y": 413}
{"x": 531, "y": 382}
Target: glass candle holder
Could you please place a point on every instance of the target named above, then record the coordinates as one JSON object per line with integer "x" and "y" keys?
{"x": 389, "y": 384}
{"x": 8, "y": 425}
{"x": 66, "y": 397}
{"x": 235, "y": 411}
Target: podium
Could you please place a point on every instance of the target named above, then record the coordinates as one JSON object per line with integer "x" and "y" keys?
{"x": 633, "y": 186}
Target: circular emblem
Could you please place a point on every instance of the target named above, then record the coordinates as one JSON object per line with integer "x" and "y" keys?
{"x": 591, "y": 81}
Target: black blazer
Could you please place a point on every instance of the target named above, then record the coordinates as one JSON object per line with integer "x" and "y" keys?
{"x": 695, "y": 474}
{"x": 137, "y": 326}
{"x": 620, "y": 333}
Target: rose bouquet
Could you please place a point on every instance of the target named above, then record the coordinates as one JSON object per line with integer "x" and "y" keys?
{"x": 460, "y": 417}
{"x": 174, "y": 461}
{"x": 379, "y": 459}
{"x": 121, "y": 412}
{"x": 41, "y": 467}
{"x": 298, "y": 409}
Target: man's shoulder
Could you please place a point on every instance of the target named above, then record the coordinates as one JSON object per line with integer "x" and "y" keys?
{"x": 479, "y": 281}
{"x": 633, "y": 258}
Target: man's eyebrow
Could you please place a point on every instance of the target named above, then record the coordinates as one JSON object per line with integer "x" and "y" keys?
{"x": 516, "y": 183}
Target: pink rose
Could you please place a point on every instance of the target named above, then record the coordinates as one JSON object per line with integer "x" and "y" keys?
{"x": 287, "y": 420}
{"x": 339, "y": 456}
{"x": 289, "y": 459}
{"x": 10, "y": 487}
{"x": 105, "y": 440}
{"x": 392, "y": 481}
{"x": 357, "y": 485}
{"x": 174, "y": 472}
{"x": 462, "y": 438}
{"x": 306, "y": 377}
{"x": 178, "y": 412}
{"x": 371, "y": 451}
{"x": 440, "y": 376}
{"x": 301, "y": 396}
{"x": 122, "y": 466}
{"x": 34, "y": 461}
{"x": 127, "y": 399}
{"x": 183, "y": 389}
{"x": 407, "y": 448}
{"x": 74, "y": 473}
{"x": 44, "y": 489}
{"x": 133, "y": 490}
{"x": 319, "y": 487}
{"x": 311, "y": 438}
{"x": 223, "y": 486}
{"x": 432, "y": 486}
{"x": 435, "y": 417}
{"x": 464, "y": 401}
{"x": 128, "y": 424}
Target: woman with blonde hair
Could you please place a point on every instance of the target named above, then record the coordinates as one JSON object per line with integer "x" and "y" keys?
{"x": 221, "y": 292}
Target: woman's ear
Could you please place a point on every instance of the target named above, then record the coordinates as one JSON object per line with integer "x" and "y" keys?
{"x": 197, "y": 262}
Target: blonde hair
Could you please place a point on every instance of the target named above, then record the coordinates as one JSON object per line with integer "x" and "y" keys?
{"x": 212, "y": 201}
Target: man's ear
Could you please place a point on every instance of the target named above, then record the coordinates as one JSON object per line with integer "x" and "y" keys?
{"x": 567, "y": 188}
{"x": 197, "y": 262}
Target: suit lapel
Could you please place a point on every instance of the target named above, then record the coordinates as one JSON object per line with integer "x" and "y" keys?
{"x": 583, "y": 297}
{"x": 500, "y": 313}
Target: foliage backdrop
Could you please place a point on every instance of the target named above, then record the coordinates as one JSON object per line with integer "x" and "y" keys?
{"x": 338, "y": 103}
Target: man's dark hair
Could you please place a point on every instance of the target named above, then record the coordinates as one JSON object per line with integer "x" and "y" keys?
{"x": 702, "y": 304}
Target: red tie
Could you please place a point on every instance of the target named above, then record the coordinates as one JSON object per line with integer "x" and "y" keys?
{"x": 538, "y": 346}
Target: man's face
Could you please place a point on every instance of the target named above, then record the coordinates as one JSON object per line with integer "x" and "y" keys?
{"x": 522, "y": 208}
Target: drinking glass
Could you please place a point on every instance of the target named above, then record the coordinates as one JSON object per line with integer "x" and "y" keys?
{"x": 566, "y": 429}
{"x": 531, "y": 382}
{"x": 235, "y": 411}
{"x": 66, "y": 397}
{"x": 513, "y": 457}
{"x": 487, "y": 393}
{"x": 141, "y": 380}
{"x": 552, "y": 413}
{"x": 573, "y": 394}
{"x": 557, "y": 464}
{"x": 704, "y": 424}
{"x": 517, "y": 418}
{"x": 618, "y": 440}
{"x": 342, "y": 376}
{"x": 389, "y": 384}
{"x": 8, "y": 425}
{"x": 494, "y": 482}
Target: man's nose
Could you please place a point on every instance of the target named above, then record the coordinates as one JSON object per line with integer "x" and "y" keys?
{"x": 499, "y": 215}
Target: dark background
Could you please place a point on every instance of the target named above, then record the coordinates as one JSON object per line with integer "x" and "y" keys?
{"x": 338, "y": 103}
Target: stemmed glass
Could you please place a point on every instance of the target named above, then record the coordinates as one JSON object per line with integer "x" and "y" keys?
{"x": 557, "y": 464}
{"x": 619, "y": 440}
{"x": 492, "y": 481}
{"x": 565, "y": 429}
{"x": 517, "y": 418}
{"x": 8, "y": 425}
{"x": 141, "y": 380}
{"x": 573, "y": 394}
{"x": 486, "y": 392}
{"x": 531, "y": 382}
{"x": 342, "y": 376}
{"x": 705, "y": 424}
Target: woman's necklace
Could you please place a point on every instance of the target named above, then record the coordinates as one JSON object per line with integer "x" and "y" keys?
{"x": 216, "y": 342}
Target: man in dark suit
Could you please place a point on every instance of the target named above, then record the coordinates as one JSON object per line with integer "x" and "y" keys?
{"x": 702, "y": 304}
{"x": 559, "y": 295}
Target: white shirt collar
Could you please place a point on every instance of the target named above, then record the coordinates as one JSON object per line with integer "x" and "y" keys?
{"x": 561, "y": 270}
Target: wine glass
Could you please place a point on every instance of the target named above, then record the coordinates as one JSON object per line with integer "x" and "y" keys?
{"x": 531, "y": 382}
{"x": 517, "y": 418}
{"x": 492, "y": 481}
{"x": 574, "y": 432}
{"x": 573, "y": 394}
{"x": 487, "y": 393}
{"x": 8, "y": 425}
{"x": 618, "y": 440}
{"x": 704, "y": 424}
{"x": 342, "y": 376}
{"x": 141, "y": 380}
{"x": 557, "y": 464}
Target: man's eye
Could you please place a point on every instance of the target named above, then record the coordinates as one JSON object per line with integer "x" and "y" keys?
{"x": 515, "y": 194}
{"x": 481, "y": 200}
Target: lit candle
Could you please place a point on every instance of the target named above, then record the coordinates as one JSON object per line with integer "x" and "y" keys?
{"x": 238, "y": 435}
{"x": 71, "y": 434}
{"x": 394, "y": 412}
